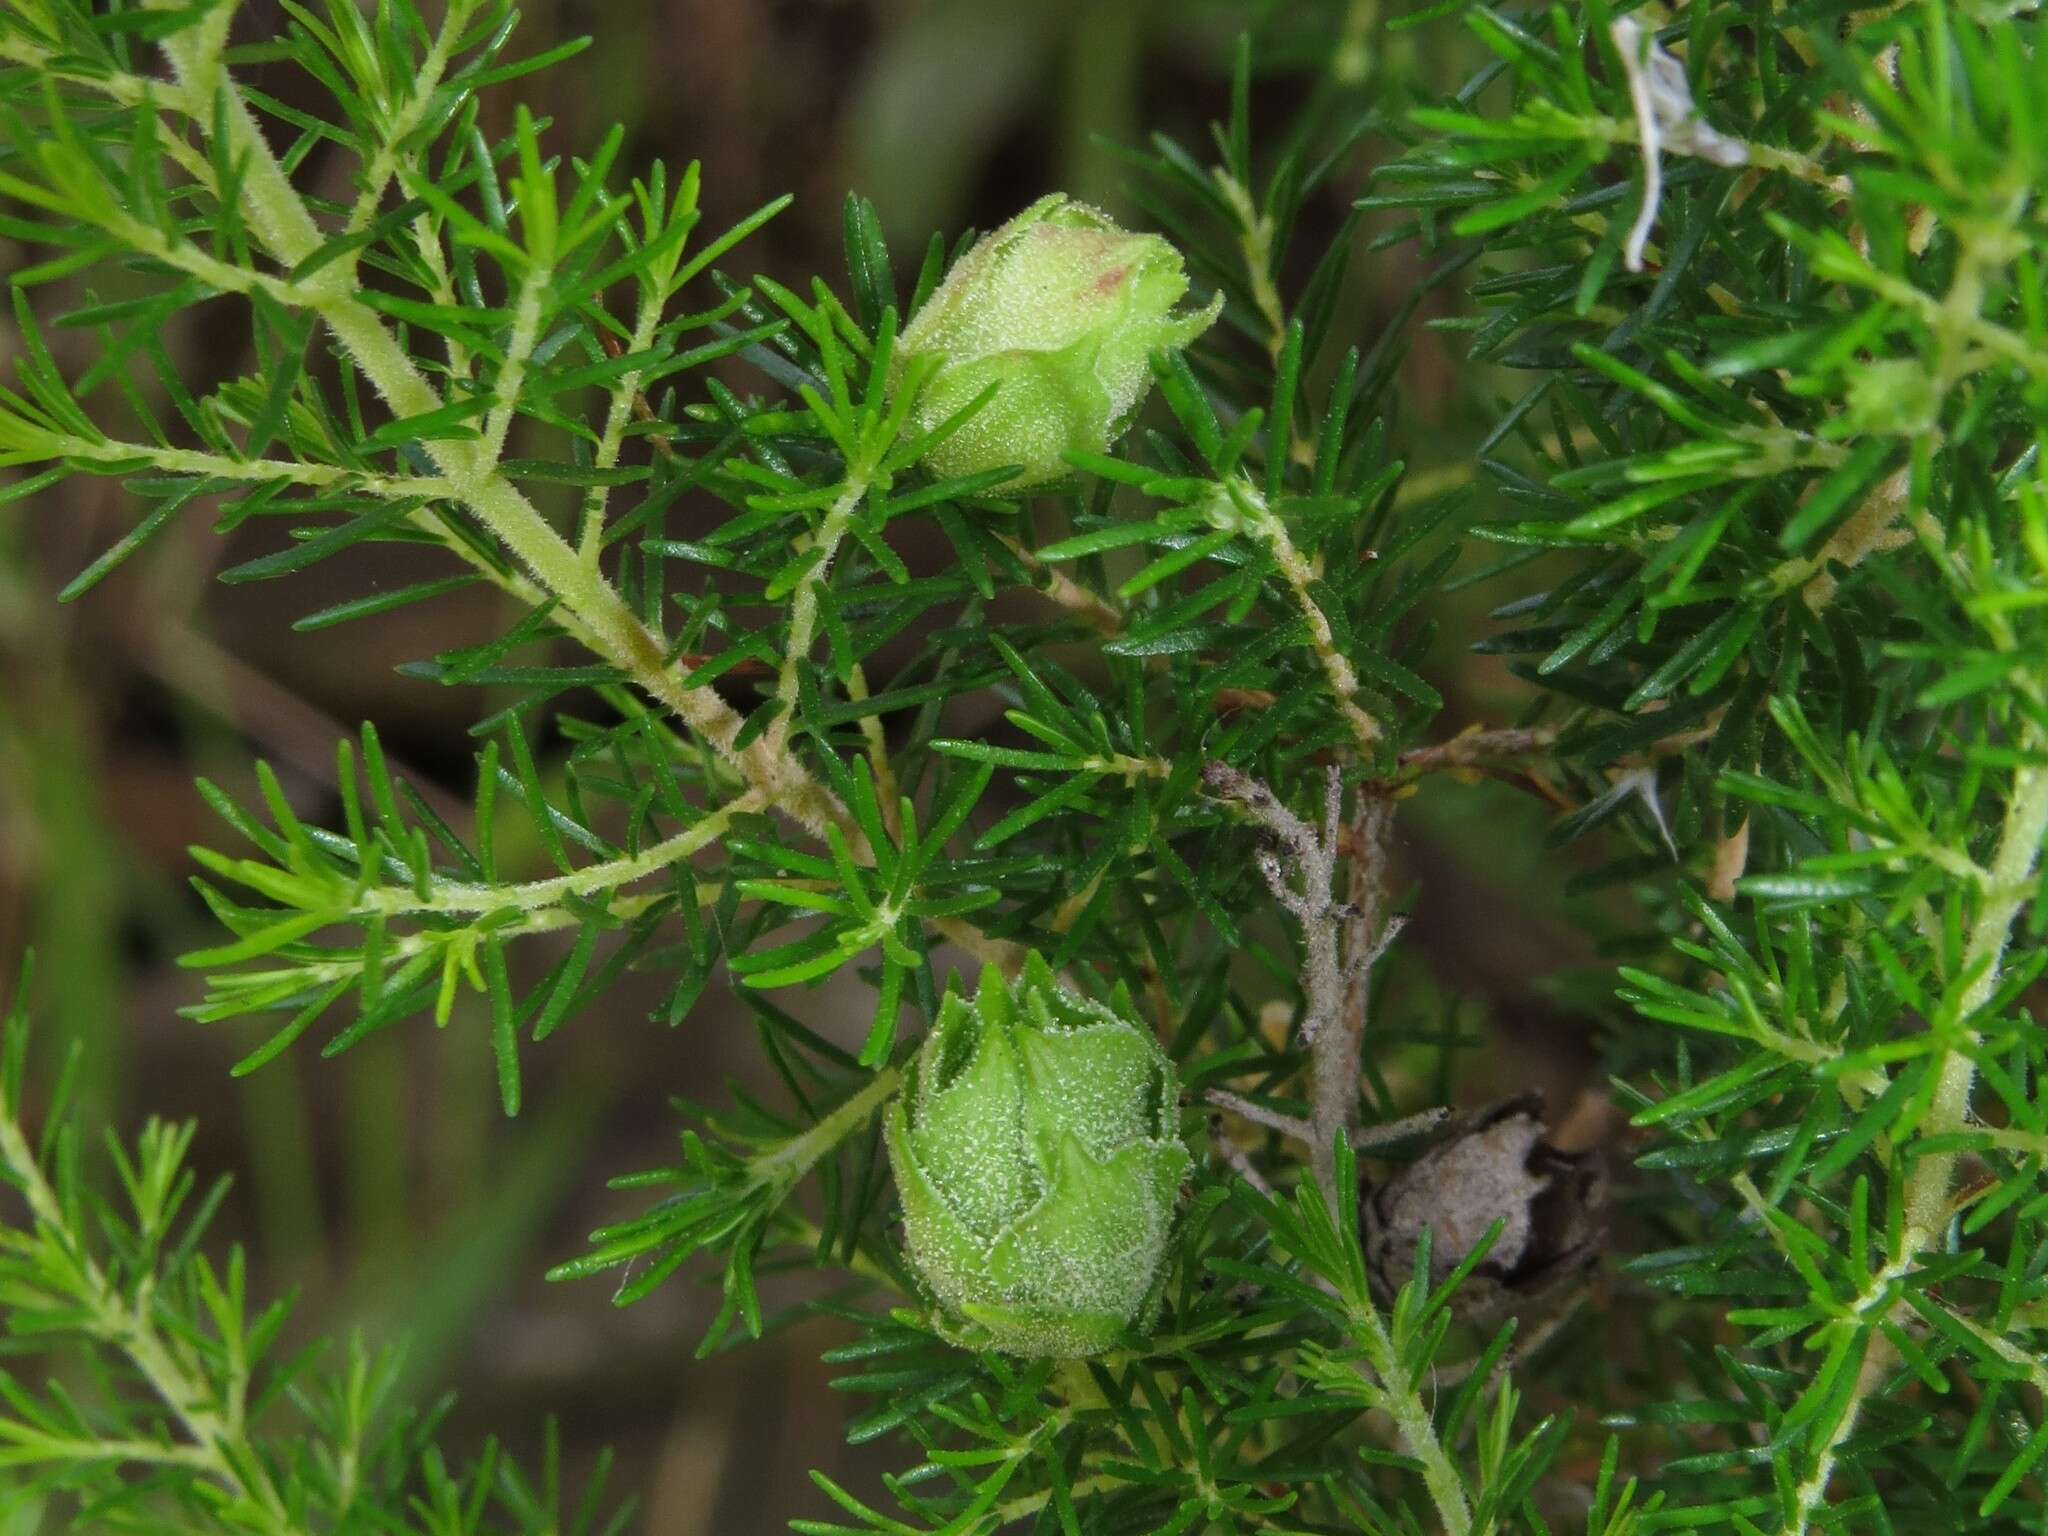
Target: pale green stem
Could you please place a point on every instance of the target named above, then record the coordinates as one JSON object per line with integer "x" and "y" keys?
{"x": 2031, "y": 1143}
{"x": 291, "y": 980}
{"x": 1090, "y": 608}
{"x": 126, "y": 90}
{"x": 1413, "y": 1424}
{"x": 384, "y": 164}
{"x": 618, "y": 412}
{"x": 280, "y": 218}
{"x": 2003, "y": 1347}
{"x": 2012, "y": 880}
{"x": 1255, "y": 245}
{"x": 408, "y": 115}
{"x": 22, "y": 1445}
{"x": 223, "y": 276}
{"x": 1812, "y": 1492}
{"x": 276, "y": 212}
{"x": 427, "y": 240}
{"x": 1265, "y": 525}
{"x": 188, "y": 461}
{"x": 454, "y": 896}
{"x": 796, "y": 1157}
{"x": 193, "y": 461}
{"x": 526, "y": 317}
{"x": 614, "y": 631}
{"x": 803, "y": 603}
{"x": 1011, "y": 1511}
{"x": 1600, "y": 129}
{"x": 1938, "y": 315}
{"x": 877, "y": 739}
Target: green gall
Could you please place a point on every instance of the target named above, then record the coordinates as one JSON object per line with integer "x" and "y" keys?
{"x": 1060, "y": 311}
{"x": 1035, "y": 1150}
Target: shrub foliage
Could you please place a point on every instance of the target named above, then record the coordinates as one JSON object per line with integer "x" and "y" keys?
{"x": 1754, "y": 304}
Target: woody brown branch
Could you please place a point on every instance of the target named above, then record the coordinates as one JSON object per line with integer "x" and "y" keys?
{"x": 1341, "y": 939}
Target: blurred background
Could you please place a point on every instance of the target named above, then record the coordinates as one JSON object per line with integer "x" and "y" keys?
{"x": 385, "y": 1186}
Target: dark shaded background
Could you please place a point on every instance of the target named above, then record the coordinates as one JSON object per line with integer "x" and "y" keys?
{"x": 385, "y": 1184}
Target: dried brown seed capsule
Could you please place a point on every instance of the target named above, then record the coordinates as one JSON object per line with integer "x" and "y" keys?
{"x": 1500, "y": 1168}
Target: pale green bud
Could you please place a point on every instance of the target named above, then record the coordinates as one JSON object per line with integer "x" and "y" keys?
{"x": 1061, "y": 310}
{"x": 1035, "y": 1150}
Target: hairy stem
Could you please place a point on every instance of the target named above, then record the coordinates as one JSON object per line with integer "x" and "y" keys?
{"x": 625, "y": 399}
{"x": 803, "y": 604}
{"x": 406, "y": 115}
{"x": 797, "y": 1156}
{"x": 1255, "y": 245}
{"x": 1413, "y": 1423}
{"x": 1266, "y": 526}
{"x": 2012, "y": 871}
{"x": 456, "y": 896}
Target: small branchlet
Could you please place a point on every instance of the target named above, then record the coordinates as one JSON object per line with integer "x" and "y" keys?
{"x": 1341, "y": 939}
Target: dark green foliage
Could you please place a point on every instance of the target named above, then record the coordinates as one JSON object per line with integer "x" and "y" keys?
{"x": 1798, "y": 452}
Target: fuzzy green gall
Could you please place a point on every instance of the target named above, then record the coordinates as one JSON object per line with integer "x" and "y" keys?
{"x": 1061, "y": 311}
{"x": 1036, "y": 1155}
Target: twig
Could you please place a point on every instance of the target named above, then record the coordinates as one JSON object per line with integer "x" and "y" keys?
{"x": 642, "y": 411}
{"x": 1295, "y": 1128}
{"x": 1473, "y": 746}
{"x": 1342, "y": 939}
{"x": 1421, "y": 1123}
{"x": 1303, "y": 578}
{"x": 1233, "y": 1154}
{"x": 1370, "y": 929}
{"x": 1292, "y": 1126}
{"x": 1094, "y": 611}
